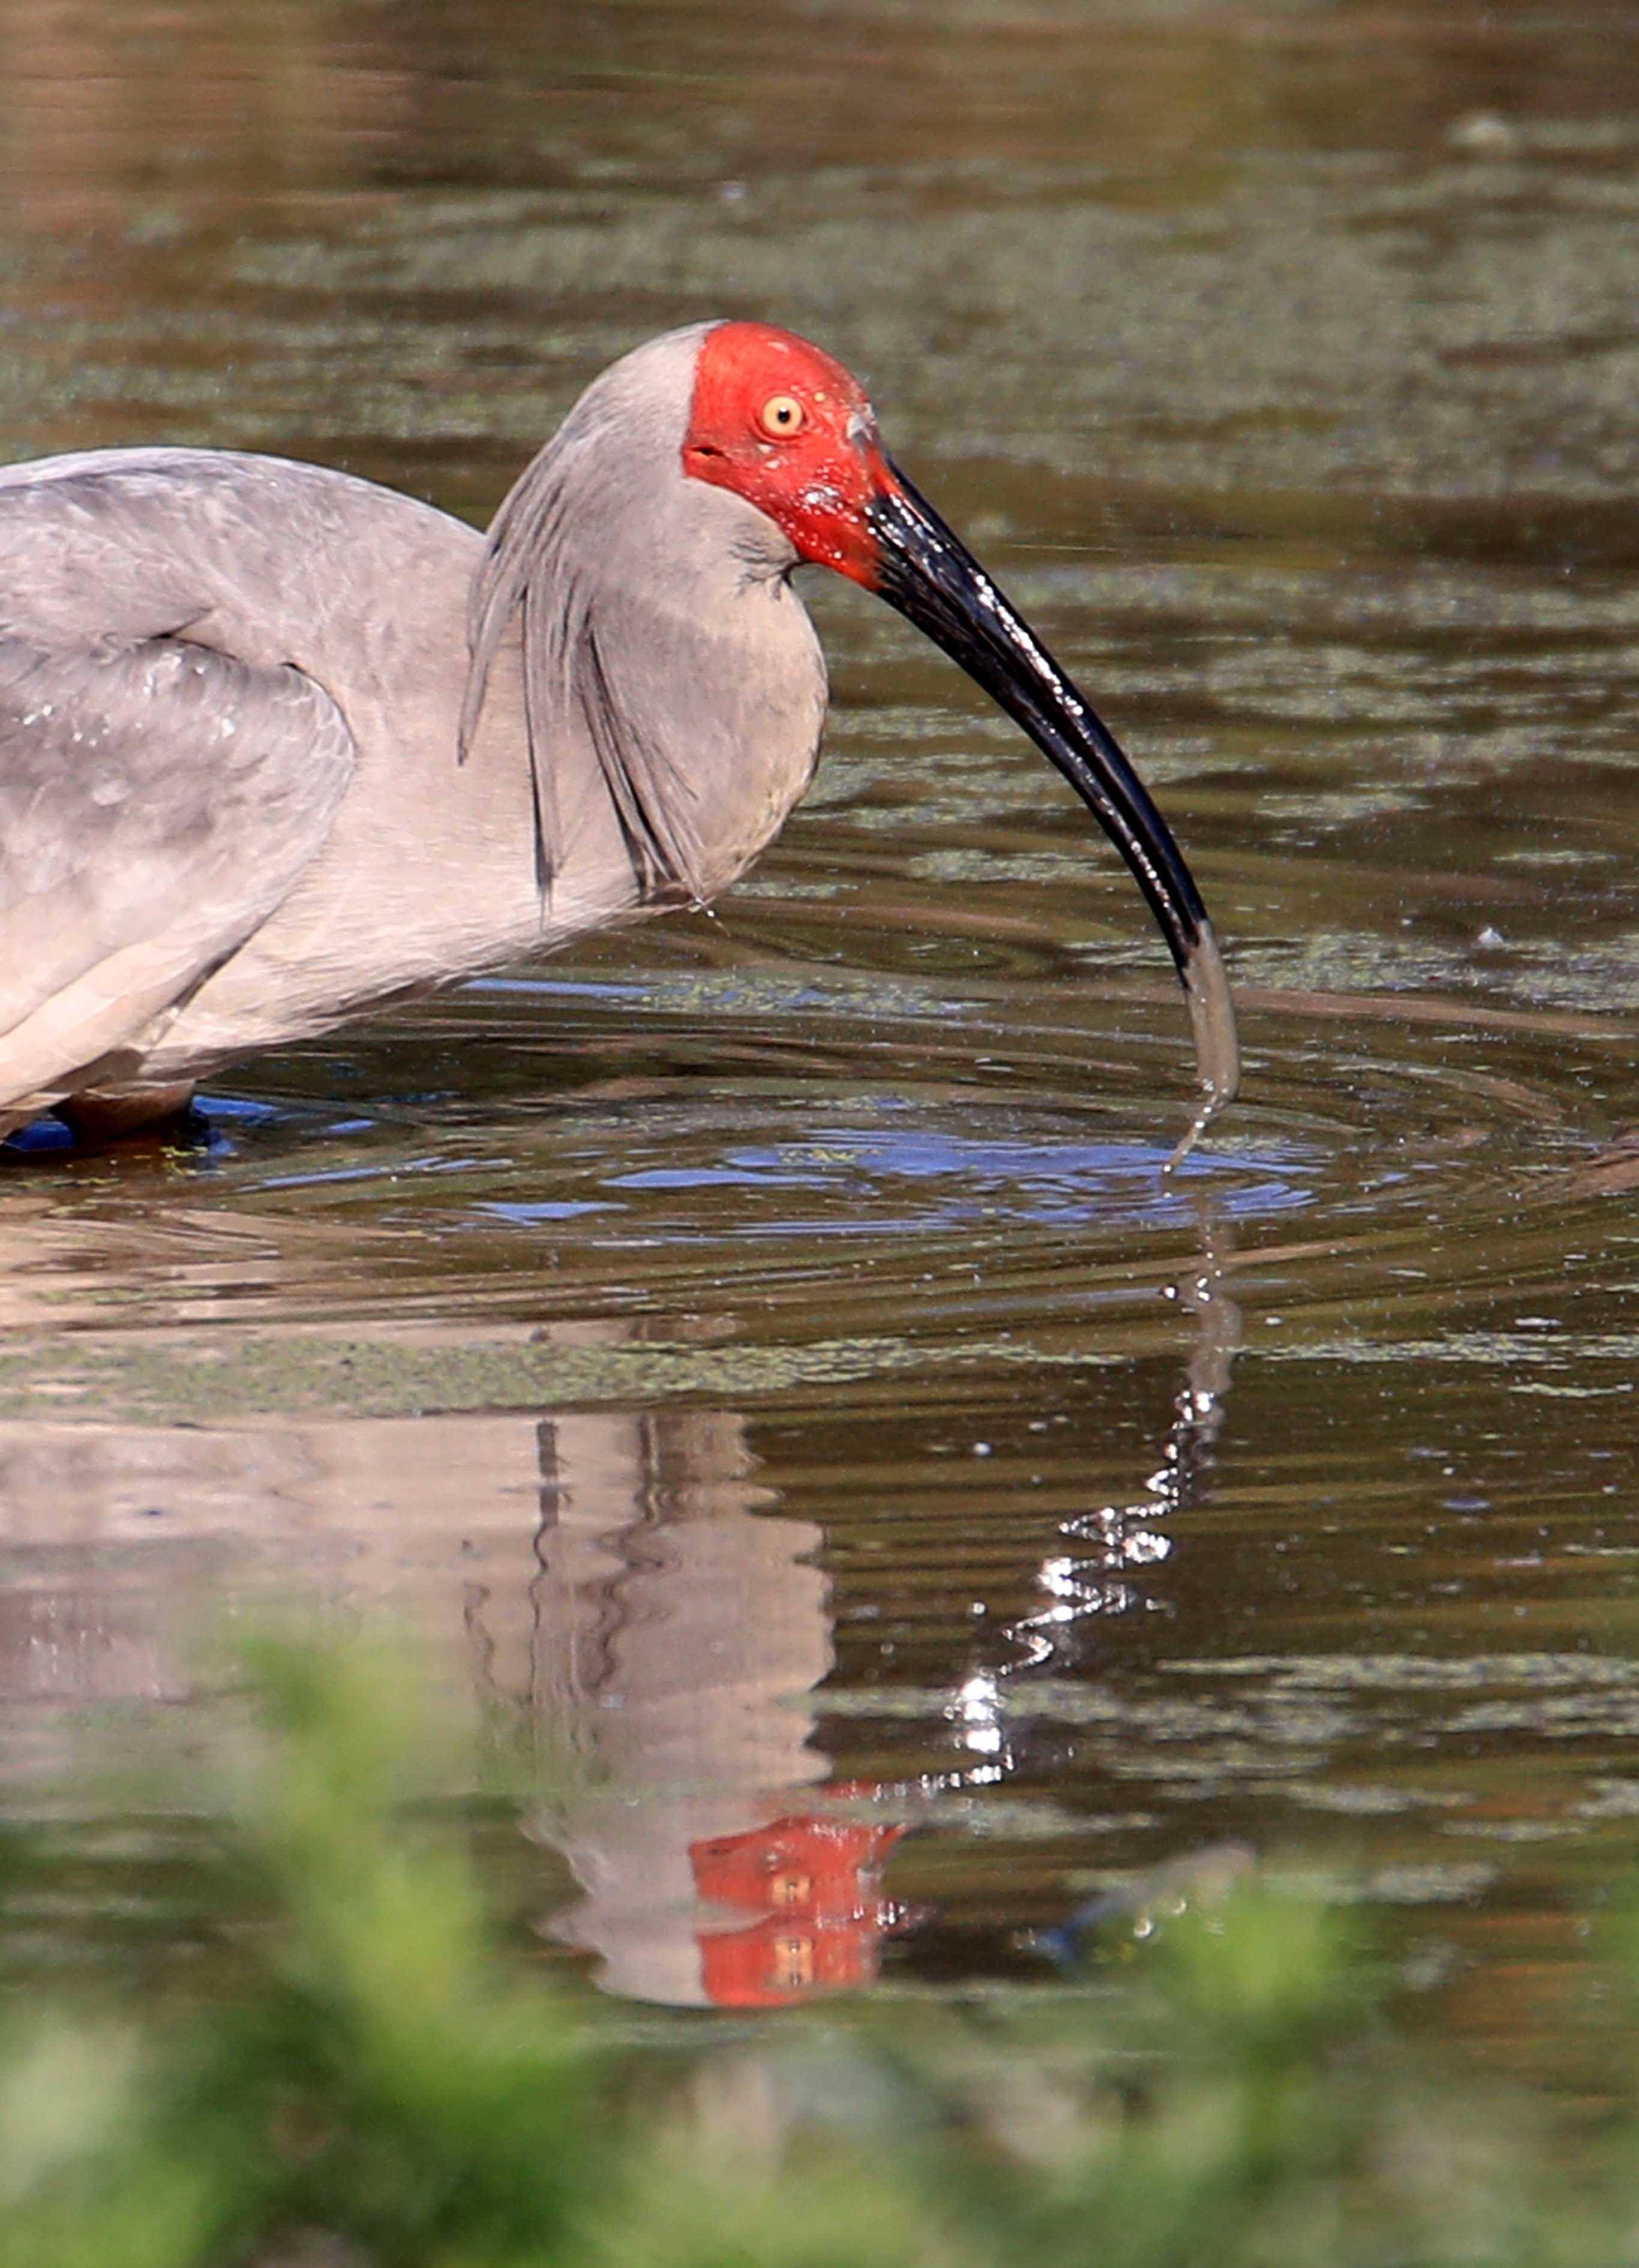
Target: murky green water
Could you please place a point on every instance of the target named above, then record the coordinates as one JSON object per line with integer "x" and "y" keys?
{"x": 760, "y": 1350}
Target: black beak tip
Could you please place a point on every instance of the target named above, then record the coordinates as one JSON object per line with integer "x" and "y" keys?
{"x": 930, "y": 577}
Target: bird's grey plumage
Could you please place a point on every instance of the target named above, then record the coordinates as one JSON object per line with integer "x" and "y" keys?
{"x": 315, "y": 794}
{"x": 158, "y": 801}
{"x": 538, "y": 574}
{"x": 570, "y": 566}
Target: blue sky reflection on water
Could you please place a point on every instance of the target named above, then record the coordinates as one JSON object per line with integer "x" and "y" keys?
{"x": 966, "y": 1178}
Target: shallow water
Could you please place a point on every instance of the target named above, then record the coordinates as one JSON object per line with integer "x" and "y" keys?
{"x": 761, "y": 1350}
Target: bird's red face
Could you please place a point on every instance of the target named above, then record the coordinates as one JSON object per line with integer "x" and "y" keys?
{"x": 784, "y": 426}
{"x": 777, "y": 422}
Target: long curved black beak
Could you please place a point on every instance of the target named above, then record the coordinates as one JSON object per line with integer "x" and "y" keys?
{"x": 934, "y": 581}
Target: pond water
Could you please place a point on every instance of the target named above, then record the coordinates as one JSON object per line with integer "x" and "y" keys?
{"x": 759, "y": 1351}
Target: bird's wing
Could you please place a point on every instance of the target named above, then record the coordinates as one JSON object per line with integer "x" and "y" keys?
{"x": 158, "y": 800}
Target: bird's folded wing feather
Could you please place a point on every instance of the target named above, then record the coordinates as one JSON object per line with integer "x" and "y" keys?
{"x": 158, "y": 801}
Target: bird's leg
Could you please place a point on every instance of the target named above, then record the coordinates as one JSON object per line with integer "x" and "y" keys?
{"x": 98, "y": 1116}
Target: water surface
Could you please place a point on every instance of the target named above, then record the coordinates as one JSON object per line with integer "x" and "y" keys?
{"x": 760, "y": 1351}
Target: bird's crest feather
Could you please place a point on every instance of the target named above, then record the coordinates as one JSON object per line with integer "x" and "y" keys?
{"x": 541, "y": 569}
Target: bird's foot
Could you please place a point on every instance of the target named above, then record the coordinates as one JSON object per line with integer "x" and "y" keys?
{"x": 99, "y": 1117}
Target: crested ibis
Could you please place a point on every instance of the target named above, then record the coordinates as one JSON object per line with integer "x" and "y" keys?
{"x": 278, "y": 747}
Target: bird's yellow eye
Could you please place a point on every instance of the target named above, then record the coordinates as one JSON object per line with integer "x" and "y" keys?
{"x": 782, "y": 416}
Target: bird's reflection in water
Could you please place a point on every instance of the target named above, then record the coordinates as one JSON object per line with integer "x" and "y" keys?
{"x": 679, "y": 1656}
{"x": 1106, "y": 1550}
{"x": 672, "y": 1657}
{"x": 619, "y": 1580}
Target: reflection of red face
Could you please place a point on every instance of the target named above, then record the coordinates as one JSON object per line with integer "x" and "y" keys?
{"x": 812, "y": 1881}
{"x": 779, "y": 1962}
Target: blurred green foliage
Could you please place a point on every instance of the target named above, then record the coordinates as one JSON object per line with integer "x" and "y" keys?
{"x": 387, "y": 2081}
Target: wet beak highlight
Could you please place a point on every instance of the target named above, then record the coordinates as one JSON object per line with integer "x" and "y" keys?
{"x": 934, "y": 581}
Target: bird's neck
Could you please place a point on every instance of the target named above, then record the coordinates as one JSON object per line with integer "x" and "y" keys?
{"x": 664, "y": 692}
